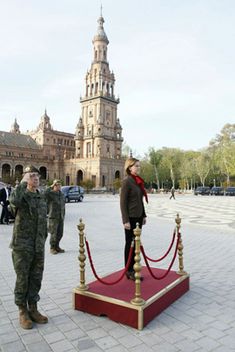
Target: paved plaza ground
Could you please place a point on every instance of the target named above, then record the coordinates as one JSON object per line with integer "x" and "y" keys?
{"x": 201, "y": 320}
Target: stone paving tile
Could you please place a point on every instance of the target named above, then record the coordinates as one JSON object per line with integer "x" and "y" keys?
{"x": 215, "y": 333}
{"x": 94, "y": 349}
{"x": 208, "y": 344}
{"x": 187, "y": 345}
{"x": 6, "y": 338}
{"x": 7, "y": 327}
{"x": 128, "y": 342}
{"x": 31, "y": 338}
{"x": 172, "y": 337}
{"x": 193, "y": 334}
{"x": 45, "y": 329}
{"x": 140, "y": 348}
{"x": 54, "y": 337}
{"x": 117, "y": 349}
{"x": 118, "y": 332}
{"x": 85, "y": 344}
{"x": 67, "y": 326}
{"x": 220, "y": 325}
{"x": 106, "y": 342}
{"x": 89, "y": 325}
{"x": 16, "y": 346}
{"x": 228, "y": 341}
{"x": 151, "y": 340}
{"x": 158, "y": 327}
{"x": 61, "y": 346}
{"x": 74, "y": 334}
{"x": 38, "y": 346}
{"x": 97, "y": 333}
{"x": 165, "y": 347}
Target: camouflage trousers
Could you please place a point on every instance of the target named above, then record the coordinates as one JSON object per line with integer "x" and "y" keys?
{"x": 29, "y": 271}
{"x": 56, "y": 229}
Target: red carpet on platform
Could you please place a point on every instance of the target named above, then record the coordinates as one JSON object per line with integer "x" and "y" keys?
{"x": 114, "y": 301}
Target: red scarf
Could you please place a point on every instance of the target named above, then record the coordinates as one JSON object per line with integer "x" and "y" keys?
{"x": 140, "y": 182}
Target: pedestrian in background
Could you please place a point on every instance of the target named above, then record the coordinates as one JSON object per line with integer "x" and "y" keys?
{"x": 28, "y": 244}
{"x": 132, "y": 207}
{"x": 4, "y": 201}
{"x": 172, "y": 193}
{"x": 56, "y": 213}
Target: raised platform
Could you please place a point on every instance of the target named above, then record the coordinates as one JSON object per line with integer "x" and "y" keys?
{"x": 113, "y": 301}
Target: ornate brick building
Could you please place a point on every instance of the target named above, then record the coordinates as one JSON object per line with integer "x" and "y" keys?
{"x": 92, "y": 153}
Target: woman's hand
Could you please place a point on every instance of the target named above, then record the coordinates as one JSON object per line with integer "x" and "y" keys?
{"x": 127, "y": 226}
{"x": 144, "y": 221}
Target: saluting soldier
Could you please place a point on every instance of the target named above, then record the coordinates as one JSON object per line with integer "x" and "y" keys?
{"x": 28, "y": 246}
{"x": 56, "y": 214}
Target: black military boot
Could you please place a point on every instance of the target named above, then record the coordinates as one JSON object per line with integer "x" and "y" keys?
{"x": 24, "y": 319}
{"x": 35, "y": 315}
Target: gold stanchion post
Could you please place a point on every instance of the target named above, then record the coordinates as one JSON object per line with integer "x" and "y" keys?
{"x": 82, "y": 258}
{"x": 137, "y": 300}
{"x": 180, "y": 247}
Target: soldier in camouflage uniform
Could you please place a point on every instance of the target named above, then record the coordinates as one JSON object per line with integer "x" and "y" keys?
{"x": 56, "y": 213}
{"x": 28, "y": 243}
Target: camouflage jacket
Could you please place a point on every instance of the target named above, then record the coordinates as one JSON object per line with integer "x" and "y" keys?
{"x": 55, "y": 204}
{"x": 30, "y": 227}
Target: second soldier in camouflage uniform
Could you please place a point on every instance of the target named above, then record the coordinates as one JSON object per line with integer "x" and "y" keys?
{"x": 28, "y": 242}
{"x": 56, "y": 213}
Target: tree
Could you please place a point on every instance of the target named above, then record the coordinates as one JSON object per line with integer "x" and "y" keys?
{"x": 202, "y": 164}
{"x": 147, "y": 172}
{"x": 88, "y": 184}
{"x": 187, "y": 169}
{"x": 117, "y": 184}
{"x": 155, "y": 159}
{"x": 224, "y": 149}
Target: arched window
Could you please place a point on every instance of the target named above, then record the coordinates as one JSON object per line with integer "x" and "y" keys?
{"x": 18, "y": 172}
{"x": 43, "y": 172}
{"x": 6, "y": 172}
{"x": 117, "y": 174}
{"x": 79, "y": 177}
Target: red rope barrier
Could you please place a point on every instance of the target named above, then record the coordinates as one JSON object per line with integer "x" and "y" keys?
{"x": 94, "y": 271}
{"x": 167, "y": 272}
{"x": 167, "y": 252}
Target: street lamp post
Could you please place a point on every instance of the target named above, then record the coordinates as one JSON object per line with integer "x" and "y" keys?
{"x": 214, "y": 182}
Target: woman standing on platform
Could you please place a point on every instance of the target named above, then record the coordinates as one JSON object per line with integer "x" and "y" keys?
{"x": 132, "y": 207}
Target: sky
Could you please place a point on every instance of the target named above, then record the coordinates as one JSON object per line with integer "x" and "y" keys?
{"x": 173, "y": 60}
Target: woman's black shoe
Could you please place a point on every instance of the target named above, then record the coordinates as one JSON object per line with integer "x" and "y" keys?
{"x": 131, "y": 276}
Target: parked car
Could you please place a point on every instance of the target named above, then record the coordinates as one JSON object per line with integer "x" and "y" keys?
{"x": 202, "y": 190}
{"x": 75, "y": 193}
{"x": 217, "y": 191}
{"x": 230, "y": 191}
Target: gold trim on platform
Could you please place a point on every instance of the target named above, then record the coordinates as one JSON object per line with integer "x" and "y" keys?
{"x": 141, "y": 318}
{"x": 106, "y": 299}
{"x": 165, "y": 290}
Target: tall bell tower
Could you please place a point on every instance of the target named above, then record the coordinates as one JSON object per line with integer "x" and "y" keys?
{"x": 98, "y": 135}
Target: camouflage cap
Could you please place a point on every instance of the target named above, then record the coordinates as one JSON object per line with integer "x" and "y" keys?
{"x": 31, "y": 168}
